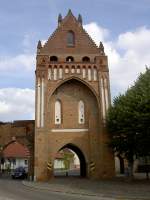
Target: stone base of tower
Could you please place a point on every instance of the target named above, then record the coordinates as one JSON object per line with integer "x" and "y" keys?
{"x": 103, "y": 167}
{"x": 43, "y": 175}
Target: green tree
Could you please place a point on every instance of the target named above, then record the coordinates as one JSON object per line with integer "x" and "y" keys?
{"x": 128, "y": 121}
{"x": 68, "y": 157}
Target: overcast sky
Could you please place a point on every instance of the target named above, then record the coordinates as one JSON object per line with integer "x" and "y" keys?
{"x": 123, "y": 26}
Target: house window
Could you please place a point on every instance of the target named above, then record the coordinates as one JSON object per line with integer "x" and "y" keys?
{"x": 25, "y": 162}
{"x": 58, "y": 112}
{"x": 14, "y": 161}
{"x": 70, "y": 38}
{"x": 81, "y": 112}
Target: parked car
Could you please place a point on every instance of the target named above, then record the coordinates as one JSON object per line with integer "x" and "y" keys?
{"x": 19, "y": 173}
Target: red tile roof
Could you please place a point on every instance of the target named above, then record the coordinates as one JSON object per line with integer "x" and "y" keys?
{"x": 59, "y": 155}
{"x": 16, "y": 150}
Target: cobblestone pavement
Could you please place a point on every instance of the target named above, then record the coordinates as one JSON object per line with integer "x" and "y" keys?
{"x": 117, "y": 189}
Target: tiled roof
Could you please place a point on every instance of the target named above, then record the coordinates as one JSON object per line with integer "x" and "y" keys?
{"x": 16, "y": 150}
{"x": 59, "y": 155}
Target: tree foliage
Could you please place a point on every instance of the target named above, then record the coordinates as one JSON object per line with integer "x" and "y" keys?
{"x": 128, "y": 120}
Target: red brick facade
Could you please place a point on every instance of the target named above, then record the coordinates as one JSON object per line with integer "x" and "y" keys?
{"x": 72, "y": 97}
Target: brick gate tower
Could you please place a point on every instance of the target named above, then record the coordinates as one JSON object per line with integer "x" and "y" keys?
{"x": 72, "y": 97}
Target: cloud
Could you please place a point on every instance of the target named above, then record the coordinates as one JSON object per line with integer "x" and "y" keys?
{"x": 21, "y": 62}
{"x": 127, "y": 55}
{"x": 43, "y": 42}
{"x": 135, "y": 48}
{"x": 16, "y": 104}
{"x": 138, "y": 40}
{"x": 27, "y": 42}
{"x": 98, "y": 33}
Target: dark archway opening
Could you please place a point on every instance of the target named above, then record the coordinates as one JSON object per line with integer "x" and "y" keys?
{"x": 72, "y": 167}
{"x": 53, "y": 59}
{"x": 86, "y": 59}
{"x": 69, "y": 59}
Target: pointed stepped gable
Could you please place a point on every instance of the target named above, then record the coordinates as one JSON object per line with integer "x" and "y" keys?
{"x": 57, "y": 42}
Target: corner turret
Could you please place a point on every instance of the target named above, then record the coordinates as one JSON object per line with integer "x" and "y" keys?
{"x": 80, "y": 19}
{"x": 59, "y": 19}
{"x": 39, "y": 46}
{"x": 101, "y": 48}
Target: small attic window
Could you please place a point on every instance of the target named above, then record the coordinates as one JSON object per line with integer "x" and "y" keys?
{"x": 70, "y": 39}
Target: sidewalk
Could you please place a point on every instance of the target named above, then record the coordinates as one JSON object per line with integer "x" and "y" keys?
{"x": 117, "y": 188}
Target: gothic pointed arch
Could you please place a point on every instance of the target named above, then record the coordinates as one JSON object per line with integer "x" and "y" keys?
{"x": 53, "y": 59}
{"x": 79, "y": 80}
{"x": 85, "y": 59}
{"x": 78, "y": 151}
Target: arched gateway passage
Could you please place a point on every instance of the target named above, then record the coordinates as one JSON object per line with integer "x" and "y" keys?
{"x": 73, "y": 150}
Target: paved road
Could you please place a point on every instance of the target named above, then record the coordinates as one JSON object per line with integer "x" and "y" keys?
{"x": 14, "y": 190}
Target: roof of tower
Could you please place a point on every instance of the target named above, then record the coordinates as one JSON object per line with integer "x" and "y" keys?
{"x": 39, "y": 46}
{"x": 57, "y": 42}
